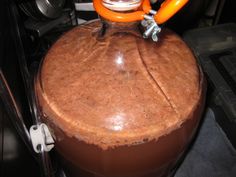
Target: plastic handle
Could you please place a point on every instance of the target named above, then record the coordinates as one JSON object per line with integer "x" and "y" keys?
{"x": 168, "y": 9}
{"x": 121, "y": 17}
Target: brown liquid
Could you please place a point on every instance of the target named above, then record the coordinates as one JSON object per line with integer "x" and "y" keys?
{"x": 151, "y": 159}
{"x": 119, "y": 105}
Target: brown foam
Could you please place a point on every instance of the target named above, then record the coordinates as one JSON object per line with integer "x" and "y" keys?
{"x": 120, "y": 90}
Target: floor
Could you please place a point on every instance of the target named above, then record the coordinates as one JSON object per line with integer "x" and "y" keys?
{"x": 212, "y": 155}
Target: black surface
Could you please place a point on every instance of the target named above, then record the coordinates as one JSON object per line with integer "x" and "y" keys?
{"x": 188, "y": 17}
{"x": 225, "y": 62}
{"x": 225, "y": 123}
{"x": 1, "y": 143}
{"x": 220, "y": 67}
{"x": 212, "y": 154}
{"x": 16, "y": 159}
{"x": 228, "y": 12}
{"x": 215, "y": 49}
{"x": 211, "y": 39}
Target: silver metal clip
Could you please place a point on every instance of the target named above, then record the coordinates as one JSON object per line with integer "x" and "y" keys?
{"x": 152, "y": 28}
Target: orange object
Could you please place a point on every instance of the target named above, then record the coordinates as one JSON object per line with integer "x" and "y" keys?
{"x": 146, "y": 6}
{"x": 121, "y": 17}
{"x": 167, "y": 10}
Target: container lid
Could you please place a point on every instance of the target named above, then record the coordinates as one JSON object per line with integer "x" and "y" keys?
{"x": 122, "y": 5}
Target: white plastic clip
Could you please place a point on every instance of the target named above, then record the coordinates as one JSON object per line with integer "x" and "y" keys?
{"x": 40, "y": 135}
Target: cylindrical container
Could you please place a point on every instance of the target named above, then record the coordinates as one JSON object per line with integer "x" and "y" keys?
{"x": 118, "y": 105}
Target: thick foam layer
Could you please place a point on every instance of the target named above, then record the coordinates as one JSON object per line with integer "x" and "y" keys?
{"x": 120, "y": 89}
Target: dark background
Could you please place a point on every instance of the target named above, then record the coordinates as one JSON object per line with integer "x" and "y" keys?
{"x": 20, "y": 44}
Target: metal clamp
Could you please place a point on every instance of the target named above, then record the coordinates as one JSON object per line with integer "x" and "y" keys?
{"x": 152, "y": 28}
{"x": 41, "y": 136}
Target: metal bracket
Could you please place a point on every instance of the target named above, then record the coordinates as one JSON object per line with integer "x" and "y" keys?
{"x": 41, "y": 136}
{"x": 152, "y": 28}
